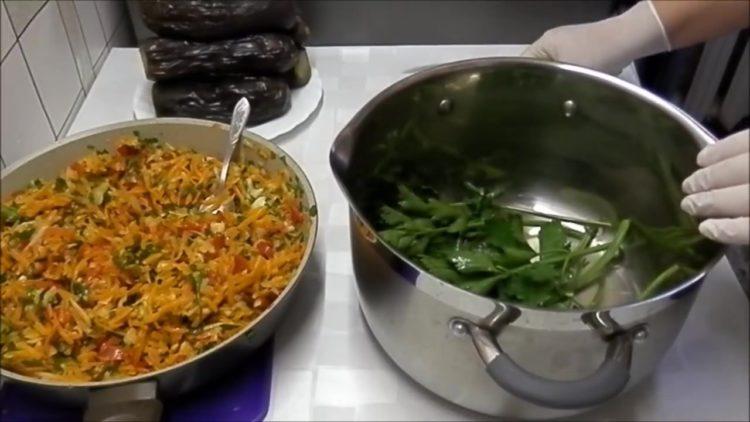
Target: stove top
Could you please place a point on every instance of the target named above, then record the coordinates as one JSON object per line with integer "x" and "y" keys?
{"x": 244, "y": 397}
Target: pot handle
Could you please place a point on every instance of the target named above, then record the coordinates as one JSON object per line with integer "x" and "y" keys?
{"x": 609, "y": 379}
{"x": 124, "y": 403}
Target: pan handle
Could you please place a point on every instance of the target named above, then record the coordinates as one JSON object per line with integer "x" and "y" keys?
{"x": 124, "y": 403}
{"x": 606, "y": 382}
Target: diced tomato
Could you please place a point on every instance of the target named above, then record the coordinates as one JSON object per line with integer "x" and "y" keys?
{"x": 54, "y": 231}
{"x": 240, "y": 264}
{"x": 63, "y": 316}
{"x": 218, "y": 241}
{"x": 109, "y": 351}
{"x": 78, "y": 167}
{"x": 292, "y": 208}
{"x": 192, "y": 226}
{"x": 51, "y": 315}
{"x": 127, "y": 150}
{"x": 264, "y": 248}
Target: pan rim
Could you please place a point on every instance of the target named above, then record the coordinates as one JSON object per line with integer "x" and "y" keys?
{"x": 248, "y": 138}
{"x": 701, "y": 136}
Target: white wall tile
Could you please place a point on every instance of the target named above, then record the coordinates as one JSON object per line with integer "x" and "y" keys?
{"x": 92, "y": 28}
{"x": 53, "y": 68}
{"x": 123, "y": 36}
{"x": 7, "y": 36}
{"x": 21, "y": 12}
{"x": 25, "y": 128}
{"x": 98, "y": 65}
{"x": 111, "y": 13}
{"x": 78, "y": 44}
{"x": 72, "y": 115}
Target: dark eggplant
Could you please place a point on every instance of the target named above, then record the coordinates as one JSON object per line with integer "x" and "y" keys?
{"x": 205, "y": 20}
{"x": 214, "y": 100}
{"x": 262, "y": 54}
{"x": 300, "y": 33}
{"x": 300, "y": 74}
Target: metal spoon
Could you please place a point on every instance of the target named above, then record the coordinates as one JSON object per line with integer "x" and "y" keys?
{"x": 239, "y": 120}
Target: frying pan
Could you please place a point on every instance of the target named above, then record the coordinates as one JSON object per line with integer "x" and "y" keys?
{"x": 138, "y": 397}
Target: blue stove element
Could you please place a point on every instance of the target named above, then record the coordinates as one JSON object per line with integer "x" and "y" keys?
{"x": 244, "y": 395}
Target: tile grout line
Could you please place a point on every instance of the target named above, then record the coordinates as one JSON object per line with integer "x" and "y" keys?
{"x": 18, "y": 35}
{"x": 106, "y": 51}
{"x": 101, "y": 24}
{"x": 83, "y": 35}
{"x": 123, "y": 20}
{"x": 77, "y": 103}
{"x": 79, "y": 97}
{"x": 72, "y": 50}
{"x": 9, "y": 49}
{"x": 15, "y": 37}
{"x": 101, "y": 57}
{"x": 33, "y": 82}
{"x": 107, "y": 38}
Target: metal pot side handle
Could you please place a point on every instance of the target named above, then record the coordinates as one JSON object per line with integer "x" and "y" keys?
{"x": 609, "y": 379}
{"x": 135, "y": 402}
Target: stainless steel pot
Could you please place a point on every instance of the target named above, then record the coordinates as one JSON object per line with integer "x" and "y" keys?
{"x": 564, "y": 136}
{"x": 137, "y": 398}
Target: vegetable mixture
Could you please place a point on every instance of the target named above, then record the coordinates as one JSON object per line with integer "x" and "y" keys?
{"x": 486, "y": 249}
{"x": 116, "y": 268}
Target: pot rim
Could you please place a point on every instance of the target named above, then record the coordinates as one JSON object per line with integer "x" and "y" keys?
{"x": 700, "y": 135}
{"x": 248, "y": 137}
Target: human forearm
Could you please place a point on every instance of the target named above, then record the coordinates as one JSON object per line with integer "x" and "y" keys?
{"x": 647, "y": 28}
{"x": 694, "y": 21}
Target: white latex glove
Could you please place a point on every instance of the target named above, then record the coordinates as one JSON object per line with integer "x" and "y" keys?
{"x": 720, "y": 190}
{"x": 608, "y": 45}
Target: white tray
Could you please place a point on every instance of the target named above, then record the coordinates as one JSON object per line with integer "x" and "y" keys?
{"x": 304, "y": 102}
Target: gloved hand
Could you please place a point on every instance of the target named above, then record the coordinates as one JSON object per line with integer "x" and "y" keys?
{"x": 608, "y": 45}
{"x": 720, "y": 190}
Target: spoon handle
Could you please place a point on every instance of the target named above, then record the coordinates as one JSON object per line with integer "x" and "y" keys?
{"x": 239, "y": 120}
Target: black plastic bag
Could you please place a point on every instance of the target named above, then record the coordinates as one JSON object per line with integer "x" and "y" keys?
{"x": 214, "y": 100}
{"x": 260, "y": 54}
{"x": 205, "y": 20}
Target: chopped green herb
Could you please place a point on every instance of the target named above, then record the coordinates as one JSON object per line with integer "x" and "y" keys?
{"x": 146, "y": 251}
{"x": 33, "y": 297}
{"x": 599, "y": 267}
{"x": 9, "y": 214}
{"x": 483, "y": 286}
{"x": 60, "y": 184}
{"x": 127, "y": 261}
{"x": 313, "y": 211}
{"x": 59, "y": 362}
{"x": 98, "y": 194}
{"x": 659, "y": 281}
{"x": 148, "y": 141}
{"x": 79, "y": 290}
{"x": 25, "y": 234}
{"x": 471, "y": 261}
{"x": 5, "y": 331}
{"x": 482, "y": 248}
{"x": 196, "y": 279}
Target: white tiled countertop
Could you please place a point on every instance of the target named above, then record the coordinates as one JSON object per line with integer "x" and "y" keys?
{"x": 327, "y": 366}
